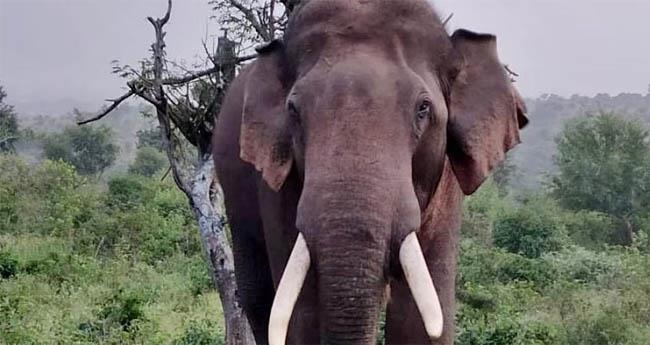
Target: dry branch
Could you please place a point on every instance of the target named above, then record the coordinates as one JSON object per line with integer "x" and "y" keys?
{"x": 176, "y": 114}
{"x": 250, "y": 16}
{"x": 109, "y": 109}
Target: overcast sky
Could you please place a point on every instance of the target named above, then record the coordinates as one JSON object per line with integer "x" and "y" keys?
{"x": 61, "y": 49}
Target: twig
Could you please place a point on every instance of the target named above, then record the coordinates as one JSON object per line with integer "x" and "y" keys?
{"x": 200, "y": 74}
{"x": 252, "y": 19}
{"x": 510, "y": 71}
{"x": 142, "y": 94}
{"x": 446, "y": 21}
{"x": 106, "y": 111}
{"x": 169, "y": 169}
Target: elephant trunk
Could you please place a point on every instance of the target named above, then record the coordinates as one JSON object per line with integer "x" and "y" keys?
{"x": 351, "y": 289}
{"x": 346, "y": 234}
{"x": 350, "y": 233}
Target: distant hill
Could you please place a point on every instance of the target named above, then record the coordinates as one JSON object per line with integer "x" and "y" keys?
{"x": 548, "y": 113}
{"x": 533, "y": 158}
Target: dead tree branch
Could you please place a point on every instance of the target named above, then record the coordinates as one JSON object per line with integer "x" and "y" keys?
{"x": 250, "y": 16}
{"x": 511, "y": 72}
{"x": 109, "y": 109}
{"x": 446, "y": 21}
{"x": 177, "y": 113}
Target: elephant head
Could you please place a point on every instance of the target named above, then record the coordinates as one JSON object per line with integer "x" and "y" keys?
{"x": 368, "y": 100}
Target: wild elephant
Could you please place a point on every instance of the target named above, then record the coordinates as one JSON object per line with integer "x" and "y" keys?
{"x": 344, "y": 152}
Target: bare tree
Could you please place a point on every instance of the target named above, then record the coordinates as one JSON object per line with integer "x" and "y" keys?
{"x": 186, "y": 104}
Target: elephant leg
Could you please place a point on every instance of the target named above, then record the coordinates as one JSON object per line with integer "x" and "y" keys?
{"x": 403, "y": 321}
{"x": 253, "y": 274}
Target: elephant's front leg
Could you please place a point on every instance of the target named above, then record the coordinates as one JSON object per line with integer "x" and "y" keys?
{"x": 403, "y": 321}
{"x": 252, "y": 271}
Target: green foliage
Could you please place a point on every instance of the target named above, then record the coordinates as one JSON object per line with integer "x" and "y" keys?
{"x": 604, "y": 166}
{"x": 82, "y": 263}
{"x": 202, "y": 332}
{"x": 89, "y": 149}
{"x": 148, "y": 161}
{"x": 590, "y": 229}
{"x": 576, "y": 264}
{"x": 504, "y": 174}
{"x": 481, "y": 209}
{"x": 151, "y": 137}
{"x": 532, "y": 229}
{"x": 506, "y": 330}
{"x": 9, "y": 132}
{"x": 8, "y": 265}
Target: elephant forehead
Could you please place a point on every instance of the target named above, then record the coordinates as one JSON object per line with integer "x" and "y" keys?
{"x": 368, "y": 12}
{"x": 411, "y": 25}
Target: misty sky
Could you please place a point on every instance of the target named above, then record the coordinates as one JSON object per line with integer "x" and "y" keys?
{"x": 62, "y": 49}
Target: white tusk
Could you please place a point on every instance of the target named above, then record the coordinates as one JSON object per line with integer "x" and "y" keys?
{"x": 421, "y": 285}
{"x": 288, "y": 291}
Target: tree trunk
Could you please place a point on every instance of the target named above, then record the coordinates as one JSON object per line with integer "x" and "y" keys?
{"x": 212, "y": 227}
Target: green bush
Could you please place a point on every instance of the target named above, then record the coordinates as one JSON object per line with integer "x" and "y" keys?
{"x": 481, "y": 209}
{"x": 580, "y": 265}
{"x": 483, "y": 265}
{"x": 607, "y": 328}
{"x": 13, "y": 173}
{"x": 129, "y": 190}
{"x": 531, "y": 230}
{"x": 590, "y": 229}
{"x": 201, "y": 332}
{"x": 148, "y": 161}
{"x": 89, "y": 149}
{"x": 506, "y": 330}
{"x": 8, "y": 265}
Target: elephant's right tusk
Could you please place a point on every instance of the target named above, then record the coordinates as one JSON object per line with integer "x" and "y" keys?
{"x": 288, "y": 291}
{"x": 419, "y": 281}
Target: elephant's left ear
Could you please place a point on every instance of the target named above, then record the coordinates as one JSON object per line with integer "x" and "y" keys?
{"x": 486, "y": 111}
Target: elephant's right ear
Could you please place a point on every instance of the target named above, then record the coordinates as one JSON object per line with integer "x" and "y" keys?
{"x": 265, "y": 139}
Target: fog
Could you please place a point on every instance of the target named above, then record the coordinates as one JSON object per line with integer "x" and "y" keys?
{"x": 54, "y": 53}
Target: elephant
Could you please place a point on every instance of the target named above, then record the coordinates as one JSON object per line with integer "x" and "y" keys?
{"x": 344, "y": 152}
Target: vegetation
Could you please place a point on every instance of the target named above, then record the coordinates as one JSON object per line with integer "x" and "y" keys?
{"x": 118, "y": 260}
{"x": 89, "y": 149}
{"x": 81, "y": 263}
{"x": 148, "y": 161}
{"x": 8, "y": 124}
{"x": 604, "y": 166}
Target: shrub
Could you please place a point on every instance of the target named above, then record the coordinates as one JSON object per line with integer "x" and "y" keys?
{"x": 531, "y": 230}
{"x": 504, "y": 329}
{"x": 13, "y": 173}
{"x": 580, "y": 265}
{"x": 590, "y": 229}
{"x": 128, "y": 191}
{"x": 8, "y": 265}
{"x": 480, "y": 211}
{"x": 201, "y": 332}
{"x": 607, "y": 327}
{"x": 148, "y": 161}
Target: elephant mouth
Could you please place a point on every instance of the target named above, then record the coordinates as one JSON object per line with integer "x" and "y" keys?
{"x": 415, "y": 271}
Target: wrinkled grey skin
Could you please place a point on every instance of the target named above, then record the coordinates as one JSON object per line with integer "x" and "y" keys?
{"x": 365, "y": 123}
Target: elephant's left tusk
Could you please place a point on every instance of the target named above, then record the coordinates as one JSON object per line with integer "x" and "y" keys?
{"x": 421, "y": 285}
{"x": 288, "y": 290}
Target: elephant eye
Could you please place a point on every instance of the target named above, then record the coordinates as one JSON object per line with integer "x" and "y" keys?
{"x": 291, "y": 107}
{"x": 293, "y": 110}
{"x": 424, "y": 110}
